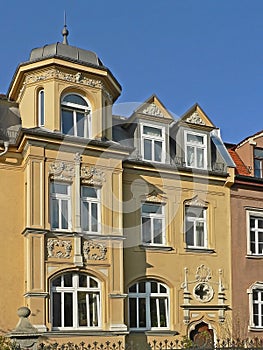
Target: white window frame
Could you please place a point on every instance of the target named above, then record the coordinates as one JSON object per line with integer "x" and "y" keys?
{"x": 59, "y": 197}
{"x": 153, "y": 138}
{"x": 260, "y": 161}
{"x": 90, "y": 201}
{"x": 152, "y": 217}
{"x": 195, "y": 146}
{"x": 257, "y": 214}
{"x": 41, "y": 107}
{"x": 74, "y": 108}
{"x": 74, "y": 289}
{"x": 195, "y": 221}
{"x": 148, "y": 295}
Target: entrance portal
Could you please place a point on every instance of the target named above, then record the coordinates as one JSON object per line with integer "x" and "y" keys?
{"x": 202, "y": 336}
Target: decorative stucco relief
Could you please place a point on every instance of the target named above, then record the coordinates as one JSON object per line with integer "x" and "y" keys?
{"x": 61, "y": 171}
{"x": 203, "y": 273}
{"x": 94, "y": 250}
{"x": 196, "y": 202}
{"x": 57, "y": 248}
{"x": 152, "y": 109}
{"x": 203, "y": 292}
{"x": 195, "y": 119}
{"x": 77, "y": 78}
{"x": 92, "y": 176}
{"x": 155, "y": 197}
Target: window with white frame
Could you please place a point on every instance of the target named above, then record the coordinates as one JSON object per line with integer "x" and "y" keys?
{"x": 90, "y": 209}
{"x": 41, "y": 107}
{"x": 255, "y": 234}
{"x": 148, "y": 306}
{"x": 75, "y": 301}
{"x": 153, "y": 143}
{"x": 258, "y": 162}
{"x": 75, "y": 116}
{"x": 60, "y": 205}
{"x": 153, "y": 227}
{"x": 195, "y": 227}
{"x": 196, "y": 150}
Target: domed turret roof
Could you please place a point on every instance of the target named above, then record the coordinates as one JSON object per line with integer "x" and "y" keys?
{"x": 65, "y": 51}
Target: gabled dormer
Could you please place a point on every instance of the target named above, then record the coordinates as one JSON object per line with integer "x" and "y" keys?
{"x": 148, "y": 126}
{"x": 196, "y": 143}
{"x": 65, "y": 89}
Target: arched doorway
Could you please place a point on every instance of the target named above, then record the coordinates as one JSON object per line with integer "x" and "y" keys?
{"x": 202, "y": 335}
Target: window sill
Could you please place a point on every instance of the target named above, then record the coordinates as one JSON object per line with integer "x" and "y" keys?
{"x": 255, "y": 329}
{"x": 157, "y": 332}
{"x": 254, "y": 256}
{"x": 199, "y": 250}
{"x": 156, "y": 247}
{"x": 160, "y": 332}
{"x": 82, "y": 332}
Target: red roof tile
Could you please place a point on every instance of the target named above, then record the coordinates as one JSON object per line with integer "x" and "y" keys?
{"x": 241, "y": 169}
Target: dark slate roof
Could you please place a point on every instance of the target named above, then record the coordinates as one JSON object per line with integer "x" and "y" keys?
{"x": 10, "y": 121}
{"x": 67, "y": 52}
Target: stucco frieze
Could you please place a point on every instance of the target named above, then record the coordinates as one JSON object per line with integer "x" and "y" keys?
{"x": 61, "y": 171}
{"x": 195, "y": 119}
{"x": 196, "y": 202}
{"x": 60, "y": 249}
{"x": 155, "y": 197}
{"x": 92, "y": 176}
{"x": 94, "y": 250}
{"x": 153, "y": 110}
{"x": 78, "y": 78}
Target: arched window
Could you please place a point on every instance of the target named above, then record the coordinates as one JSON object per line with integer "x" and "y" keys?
{"x": 148, "y": 305}
{"x": 75, "y": 301}
{"x": 75, "y": 116}
{"x": 256, "y": 306}
{"x": 41, "y": 107}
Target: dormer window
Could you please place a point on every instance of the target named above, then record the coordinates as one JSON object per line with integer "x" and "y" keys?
{"x": 258, "y": 162}
{"x": 41, "y": 108}
{"x": 75, "y": 116}
{"x": 196, "y": 150}
{"x": 153, "y": 145}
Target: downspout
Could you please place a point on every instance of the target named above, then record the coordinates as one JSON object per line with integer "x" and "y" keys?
{"x": 6, "y": 145}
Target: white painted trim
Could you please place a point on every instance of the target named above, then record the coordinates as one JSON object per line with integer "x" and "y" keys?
{"x": 195, "y": 146}
{"x": 153, "y": 138}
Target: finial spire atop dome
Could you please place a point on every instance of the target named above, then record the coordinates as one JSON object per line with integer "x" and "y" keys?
{"x": 65, "y": 31}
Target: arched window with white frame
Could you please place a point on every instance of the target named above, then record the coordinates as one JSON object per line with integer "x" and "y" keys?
{"x": 75, "y": 301}
{"x": 41, "y": 107}
{"x": 256, "y": 306}
{"x": 75, "y": 116}
{"x": 148, "y": 306}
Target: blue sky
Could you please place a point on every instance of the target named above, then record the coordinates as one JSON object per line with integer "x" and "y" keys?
{"x": 184, "y": 51}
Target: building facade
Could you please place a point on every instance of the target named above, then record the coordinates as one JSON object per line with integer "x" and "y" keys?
{"x": 114, "y": 228}
{"x": 247, "y": 237}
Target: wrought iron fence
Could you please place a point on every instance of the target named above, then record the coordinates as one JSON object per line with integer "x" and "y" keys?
{"x": 227, "y": 344}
